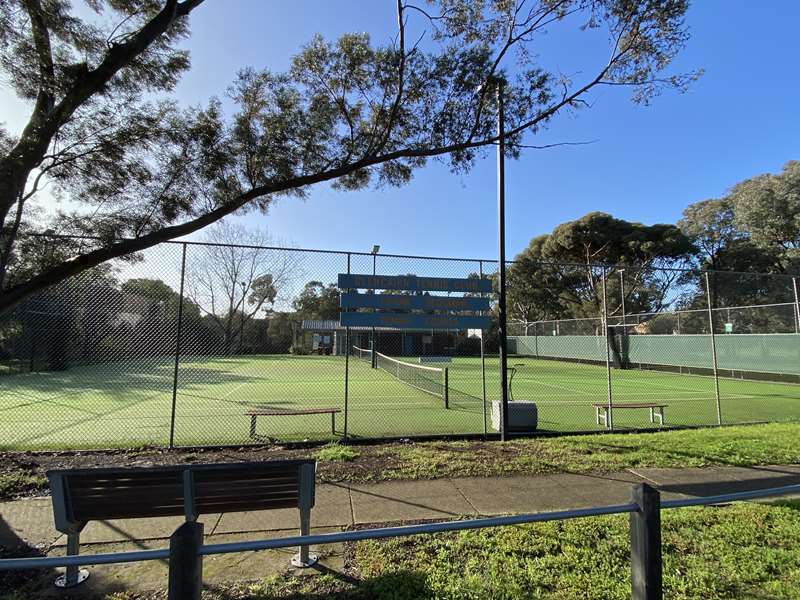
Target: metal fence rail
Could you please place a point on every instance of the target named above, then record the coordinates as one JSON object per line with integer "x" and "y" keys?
{"x": 646, "y": 563}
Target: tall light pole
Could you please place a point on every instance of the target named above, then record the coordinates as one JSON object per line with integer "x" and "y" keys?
{"x": 501, "y": 218}
{"x": 241, "y": 316}
{"x": 373, "y": 358}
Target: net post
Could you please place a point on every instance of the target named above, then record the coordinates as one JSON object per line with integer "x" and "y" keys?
{"x": 178, "y": 335}
{"x": 446, "y": 388}
{"x": 610, "y": 423}
{"x": 713, "y": 348}
{"x": 796, "y": 306}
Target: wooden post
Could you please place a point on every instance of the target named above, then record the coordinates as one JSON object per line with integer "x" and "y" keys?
{"x": 185, "y": 564}
{"x": 645, "y": 524}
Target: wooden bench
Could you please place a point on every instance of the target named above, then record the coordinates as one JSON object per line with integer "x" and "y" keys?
{"x": 83, "y": 495}
{"x": 601, "y": 410}
{"x": 274, "y": 412}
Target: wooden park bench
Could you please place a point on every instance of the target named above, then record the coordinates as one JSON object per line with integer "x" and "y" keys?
{"x": 601, "y": 410}
{"x": 83, "y": 495}
{"x": 274, "y": 412}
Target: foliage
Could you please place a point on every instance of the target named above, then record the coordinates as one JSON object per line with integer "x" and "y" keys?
{"x": 767, "y": 209}
{"x": 557, "y": 276}
{"x": 138, "y": 169}
{"x": 317, "y": 301}
{"x": 336, "y": 452}
{"x": 235, "y": 276}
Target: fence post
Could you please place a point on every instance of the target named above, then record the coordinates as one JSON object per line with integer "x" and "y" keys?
{"x": 178, "y": 334}
{"x": 373, "y": 350}
{"x": 713, "y": 349}
{"x": 346, "y": 366}
{"x": 483, "y": 362}
{"x": 610, "y": 422}
{"x": 645, "y": 525}
{"x": 796, "y": 306}
{"x": 185, "y": 564}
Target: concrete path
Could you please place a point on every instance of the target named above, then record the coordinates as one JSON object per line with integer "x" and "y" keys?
{"x": 29, "y": 523}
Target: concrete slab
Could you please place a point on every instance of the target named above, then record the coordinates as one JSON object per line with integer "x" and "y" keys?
{"x": 331, "y": 509}
{"x": 408, "y": 500}
{"x": 495, "y": 496}
{"x": 711, "y": 481}
{"x": 27, "y": 522}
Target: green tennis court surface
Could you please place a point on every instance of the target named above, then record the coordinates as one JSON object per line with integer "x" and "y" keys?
{"x": 129, "y": 403}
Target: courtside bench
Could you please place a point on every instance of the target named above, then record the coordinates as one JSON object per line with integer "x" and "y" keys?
{"x": 83, "y": 495}
{"x": 601, "y": 410}
{"x": 274, "y": 412}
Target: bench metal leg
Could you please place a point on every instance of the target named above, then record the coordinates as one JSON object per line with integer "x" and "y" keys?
{"x": 74, "y": 575}
{"x": 333, "y": 423}
{"x": 304, "y": 558}
{"x": 597, "y": 414}
{"x": 252, "y": 427}
{"x": 602, "y": 415}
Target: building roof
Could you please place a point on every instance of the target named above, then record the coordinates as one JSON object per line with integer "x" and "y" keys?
{"x": 333, "y": 325}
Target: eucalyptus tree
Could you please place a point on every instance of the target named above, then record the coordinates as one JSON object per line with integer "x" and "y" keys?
{"x": 107, "y": 133}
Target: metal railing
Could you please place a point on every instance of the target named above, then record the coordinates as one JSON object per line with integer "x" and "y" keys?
{"x": 187, "y": 549}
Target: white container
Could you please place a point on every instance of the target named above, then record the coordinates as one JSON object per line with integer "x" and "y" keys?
{"x": 522, "y": 416}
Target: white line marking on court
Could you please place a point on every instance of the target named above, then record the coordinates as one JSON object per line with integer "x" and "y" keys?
{"x": 558, "y": 387}
{"x": 238, "y": 387}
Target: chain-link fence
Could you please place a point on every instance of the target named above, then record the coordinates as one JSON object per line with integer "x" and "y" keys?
{"x": 700, "y": 348}
{"x": 207, "y": 344}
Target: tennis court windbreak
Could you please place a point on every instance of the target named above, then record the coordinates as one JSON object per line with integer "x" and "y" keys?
{"x": 763, "y": 353}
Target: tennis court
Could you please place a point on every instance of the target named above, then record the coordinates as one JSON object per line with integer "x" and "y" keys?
{"x": 129, "y": 404}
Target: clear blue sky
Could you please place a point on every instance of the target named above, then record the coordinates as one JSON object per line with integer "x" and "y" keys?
{"x": 648, "y": 163}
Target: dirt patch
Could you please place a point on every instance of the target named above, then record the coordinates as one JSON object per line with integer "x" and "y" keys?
{"x": 23, "y": 474}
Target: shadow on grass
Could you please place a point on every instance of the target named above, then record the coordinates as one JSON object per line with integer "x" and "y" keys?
{"x": 332, "y": 585}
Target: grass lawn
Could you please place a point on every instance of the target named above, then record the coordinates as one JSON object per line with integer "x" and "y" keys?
{"x": 129, "y": 403}
{"x": 738, "y": 552}
{"x": 744, "y": 445}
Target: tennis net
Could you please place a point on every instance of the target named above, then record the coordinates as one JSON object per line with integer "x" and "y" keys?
{"x": 431, "y": 380}
{"x": 362, "y": 353}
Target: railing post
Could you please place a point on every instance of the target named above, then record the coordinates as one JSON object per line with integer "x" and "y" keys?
{"x": 645, "y": 525}
{"x": 185, "y": 562}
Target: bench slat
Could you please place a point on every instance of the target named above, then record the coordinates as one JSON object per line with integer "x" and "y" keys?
{"x": 227, "y": 506}
{"x": 629, "y": 405}
{"x": 300, "y": 411}
{"x": 279, "y": 476}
